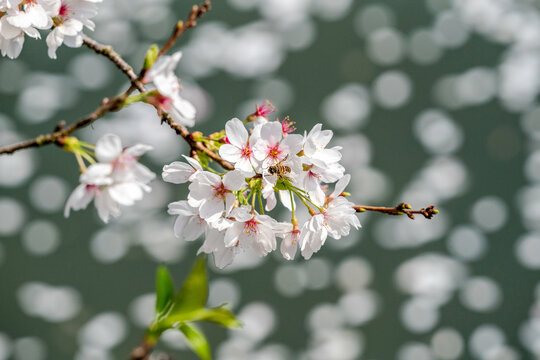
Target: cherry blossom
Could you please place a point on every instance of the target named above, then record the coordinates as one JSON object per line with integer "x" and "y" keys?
{"x": 251, "y": 230}
{"x": 239, "y": 150}
{"x": 213, "y": 195}
{"x": 116, "y": 179}
{"x": 69, "y": 20}
{"x": 336, "y": 221}
{"x": 168, "y": 86}
{"x": 179, "y": 172}
{"x": 291, "y": 236}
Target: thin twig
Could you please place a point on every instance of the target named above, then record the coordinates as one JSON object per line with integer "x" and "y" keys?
{"x": 400, "y": 209}
{"x": 196, "y": 12}
{"x": 111, "y": 54}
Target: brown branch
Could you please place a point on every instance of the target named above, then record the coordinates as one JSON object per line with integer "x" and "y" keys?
{"x": 195, "y": 145}
{"x": 196, "y": 12}
{"x": 400, "y": 209}
{"x": 111, "y": 54}
{"x": 55, "y": 137}
{"x": 142, "y": 351}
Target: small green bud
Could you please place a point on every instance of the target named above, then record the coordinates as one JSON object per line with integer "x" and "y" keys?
{"x": 255, "y": 184}
{"x": 151, "y": 56}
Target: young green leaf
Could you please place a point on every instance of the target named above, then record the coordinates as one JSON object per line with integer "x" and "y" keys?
{"x": 194, "y": 292}
{"x": 196, "y": 340}
{"x": 219, "y": 315}
{"x": 164, "y": 289}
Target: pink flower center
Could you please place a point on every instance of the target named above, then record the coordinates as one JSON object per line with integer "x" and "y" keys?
{"x": 274, "y": 151}
{"x": 123, "y": 161}
{"x": 247, "y": 153}
{"x": 92, "y": 189}
{"x": 65, "y": 10}
{"x": 250, "y": 226}
{"x": 265, "y": 109}
{"x": 220, "y": 191}
{"x": 287, "y": 126}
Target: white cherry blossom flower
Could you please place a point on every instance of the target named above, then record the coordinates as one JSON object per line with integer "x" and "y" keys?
{"x": 238, "y": 151}
{"x": 179, "y": 172}
{"x": 315, "y": 147}
{"x": 69, "y": 20}
{"x": 290, "y": 236}
{"x": 34, "y": 14}
{"x": 251, "y": 230}
{"x": 272, "y": 147}
{"x": 213, "y": 195}
{"x": 188, "y": 225}
{"x": 117, "y": 179}
{"x": 214, "y": 244}
{"x": 168, "y": 86}
{"x": 336, "y": 221}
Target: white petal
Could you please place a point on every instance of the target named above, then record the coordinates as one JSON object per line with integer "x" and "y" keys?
{"x": 97, "y": 174}
{"x": 230, "y": 153}
{"x": 177, "y": 172}
{"x": 193, "y": 229}
{"x": 196, "y": 165}
{"x": 54, "y": 40}
{"x": 271, "y": 132}
{"x": 288, "y": 248}
{"x": 340, "y": 186}
{"x": 211, "y": 208}
{"x": 79, "y": 199}
{"x": 181, "y": 208}
{"x": 232, "y": 235}
{"x": 285, "y": 198}
{"x": 271, "y": 202}
{"x": 236, "y": 132}
{"x": 234, "y": 180}
{"x": 138, "y": 150}
{"x": 230, "y": 199}
{"x": 179, "y": 225}
{"x": 125, "y": 193}
{"x": 108, "y": 147}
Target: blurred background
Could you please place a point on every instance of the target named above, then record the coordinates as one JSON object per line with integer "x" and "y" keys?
{"x": 433, "y": 101}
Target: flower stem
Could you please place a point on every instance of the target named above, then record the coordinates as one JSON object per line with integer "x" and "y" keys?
{"x": 292, "y": 206}
{"x": 260, "y": 202}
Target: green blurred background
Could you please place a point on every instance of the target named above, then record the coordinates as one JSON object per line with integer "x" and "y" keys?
{"x": 434, "y": 102}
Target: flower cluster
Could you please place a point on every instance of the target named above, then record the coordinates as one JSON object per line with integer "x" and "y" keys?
{"x": 271, "y": 162}
{"x": 115, "y": 179}
{"x": 65, "y": 19}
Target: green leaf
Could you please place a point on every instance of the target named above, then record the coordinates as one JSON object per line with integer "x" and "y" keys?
{"x": 219, "y": 315}
{"x": 151, "y": 56}
{"x": 194, "y": 292}
{"x": 196, "y": 340}
{"x": 164, "y": 289}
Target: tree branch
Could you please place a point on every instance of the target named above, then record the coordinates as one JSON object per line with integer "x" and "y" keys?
{"x": 111, "y": 54}
{"x": 181, "y": 27}
{"x": 400, "y": 209}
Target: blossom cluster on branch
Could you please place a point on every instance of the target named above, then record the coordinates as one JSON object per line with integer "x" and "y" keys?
{"x": 65, "y": 18}
{"x": 271, "y": 163}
